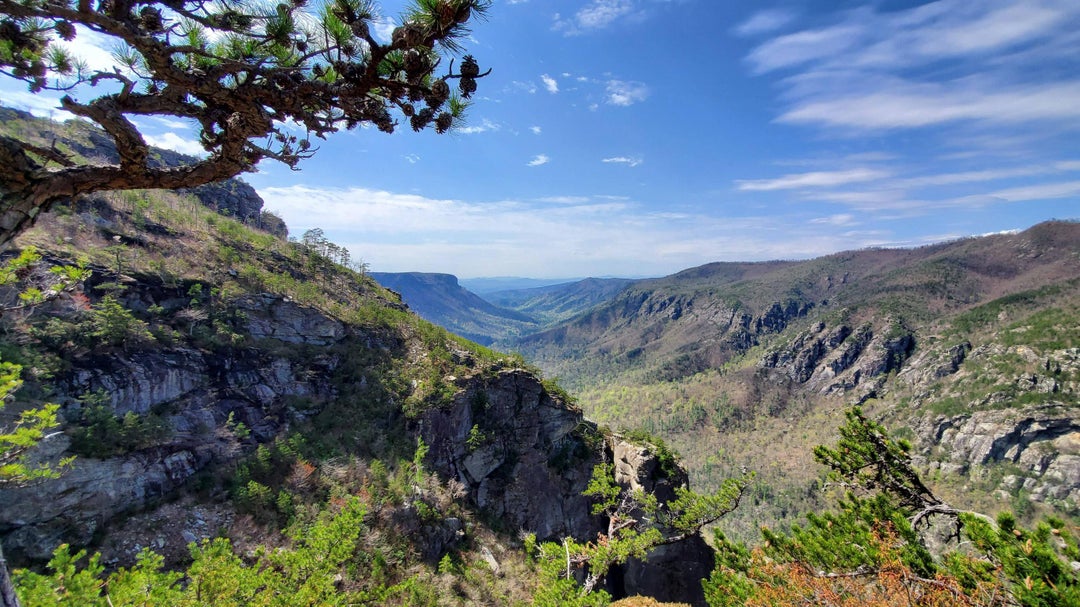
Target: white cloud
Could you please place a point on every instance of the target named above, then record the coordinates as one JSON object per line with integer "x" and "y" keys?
{"x": 595, "y": 15}
{"x": 629, "y": 161}
{"x": 384, "y": 28}
{"x": 526, "y": 87}
{"x": 941, "y": 179}
{"x": 841, "y": 219}
{"x": 536, "y": 130}
{"x": 539, "y": 160}
{"x": 42, "y": 105}
{"x": 816, "y": 179}
{"x": 582, "y": 235}
{"x": 623, "y": 93}
{"x": 1042, "y": 191}
{"x": 992, "y": 64}
{"x": 172, "y": 141}
{"x": 926, "y": 105}
{"x": 763, "y": 22}
{"x": 803, "y": 47}
{"x": 484, "y": 127}
{"x": 550, "y": 84}
{"x": 92, "y": 48}
{"x": 564, "y": 199}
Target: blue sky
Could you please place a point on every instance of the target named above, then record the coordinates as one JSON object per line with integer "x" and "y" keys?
{"x": 641, "y": 137}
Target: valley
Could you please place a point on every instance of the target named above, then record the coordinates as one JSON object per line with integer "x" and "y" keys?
{"x": 750, "y": 365}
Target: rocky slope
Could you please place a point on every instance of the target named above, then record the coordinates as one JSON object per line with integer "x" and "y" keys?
{"x": 190, "y": 365}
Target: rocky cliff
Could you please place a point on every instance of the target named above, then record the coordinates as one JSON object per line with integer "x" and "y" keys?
{"x": 521, "y": 453}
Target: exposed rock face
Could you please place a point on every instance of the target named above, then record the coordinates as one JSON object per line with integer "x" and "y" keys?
{"x": 672, "y": 572}
{"x": 840, "y": 359}
{"x": 269, "y": 316}
{"x": 525, "y": 458}
{"x": 522, "y": 456}
{"x": 1043, "y": 442}
{"x": 196, "y": 391}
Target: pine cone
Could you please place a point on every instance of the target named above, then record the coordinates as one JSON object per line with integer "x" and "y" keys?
{"x": 408, "y": 35}
{"x": 469, "y": 67}
{"x": 65, "y": 30}
{"x": 467, "y": 86}
{"x": 443, "y": 122}
{"x": 440, "y": 92}
{"x": 151, "y": 19}
{"x": 415, "y": 63}
{"x": 422, "y": 119}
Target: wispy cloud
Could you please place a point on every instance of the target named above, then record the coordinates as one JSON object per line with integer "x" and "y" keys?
{"x": 627, "y": 160}
{"x": 551, "y": 84}
{"x": 763, "y": 22}
{"x": 539, "y": 160}
{"x": 624, "y": 93}
{"x": 948, "y": 62}
{"x": 597, "y": 14}
{"x": 918, "y": 190}
{"x": 485, "y": 126}
{"x": 1042, "y": 191}
{"x": 840, "y": 219}
{"x": 912, "y": 105}
{"x": 536, "y": 130}
{"x": 816, "y": 179}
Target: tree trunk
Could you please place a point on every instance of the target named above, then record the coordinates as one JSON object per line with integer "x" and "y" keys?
{"x": 7, "y": 589}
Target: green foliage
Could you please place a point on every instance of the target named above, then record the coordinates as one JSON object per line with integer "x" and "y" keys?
{"x": 867, "y": 457}
{"x": 238, "y": 428}
{"x": 667, "y": 459}
{"x": 1031, "y": 560}
{"x": 28, "y": 429}
{"x": 260, "y": 483}
{"x": 309, "y": 573}
{"x": 875, "y": 539}
{"x": 111, "y": 324}
{"x": 602, "y": 489}
{"x": 638, "y": 522}
{"x": 557, "y": 586}
{"x": 476, "y": 439}
{"x": 100, "y": 433}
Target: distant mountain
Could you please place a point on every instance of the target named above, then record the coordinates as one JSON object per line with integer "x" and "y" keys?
{"x": 440, "y": 299}
{"x": 555, "y": 303}
{"x": 970, "y": 348}
{"x": 492, "y": 284}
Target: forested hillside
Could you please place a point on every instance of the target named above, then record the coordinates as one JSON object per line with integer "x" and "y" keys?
{"x": 969, "y": 348}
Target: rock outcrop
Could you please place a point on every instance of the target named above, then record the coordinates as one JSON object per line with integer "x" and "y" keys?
{"x": 195, "y": 392}
{"x": 840, "y": 358}
{"x": 1042, "y": 443}
{"x": 525, "y": 458}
